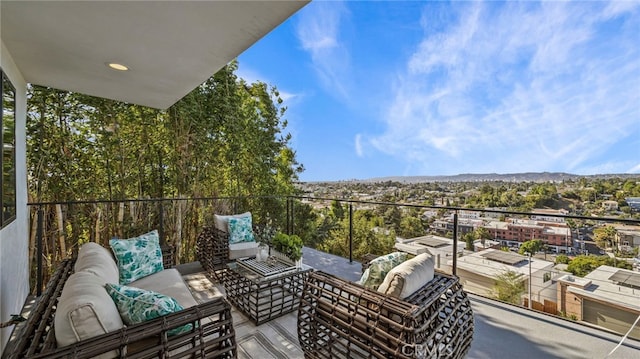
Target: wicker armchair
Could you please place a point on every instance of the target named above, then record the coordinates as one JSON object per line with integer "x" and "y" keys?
{"x": 212, "y": 247}
{"x": 337, "y": 318}
{"x": 213, "y": 335}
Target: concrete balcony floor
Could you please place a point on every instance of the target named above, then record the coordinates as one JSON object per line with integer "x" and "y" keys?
{"x": 501, "y": 330}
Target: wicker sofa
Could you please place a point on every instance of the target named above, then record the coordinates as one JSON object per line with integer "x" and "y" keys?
{"x": 210, "y": 334}
{"x": 337, "y": 318}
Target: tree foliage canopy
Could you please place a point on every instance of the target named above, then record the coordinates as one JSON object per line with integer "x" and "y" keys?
{"x": 585, "y": 264}
{"x": 509, "y": 287}
{"x": 604, "y": 236}
{"x": 531, "y": 247}
{"x": 226, "y": 138}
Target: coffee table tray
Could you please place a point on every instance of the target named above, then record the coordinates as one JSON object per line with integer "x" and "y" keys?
{"x": 266, "y": 268}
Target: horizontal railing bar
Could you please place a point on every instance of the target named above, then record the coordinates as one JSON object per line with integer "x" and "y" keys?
{"x": 449, "y": 208}
{"x": 146, "y": 200}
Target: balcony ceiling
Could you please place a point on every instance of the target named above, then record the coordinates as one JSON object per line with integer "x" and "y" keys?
{"x": 170, "y": 46}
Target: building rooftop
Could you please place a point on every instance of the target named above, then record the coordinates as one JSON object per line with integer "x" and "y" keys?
{"x": 441, "y": 247}
{"x": 497, "y": 225}
{"x": 479, "y": 263}
{"x": 604, "y": 289}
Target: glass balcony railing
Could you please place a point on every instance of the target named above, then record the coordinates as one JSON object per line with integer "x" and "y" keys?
{"x": 579, "y": 271}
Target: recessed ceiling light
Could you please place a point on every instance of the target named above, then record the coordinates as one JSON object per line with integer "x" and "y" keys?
{"x": 117, "y": 66}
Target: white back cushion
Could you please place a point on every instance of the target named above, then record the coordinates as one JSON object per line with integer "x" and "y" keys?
{"x": 222, "y": 222}
{"x": 409, "y": 276}
{"x": 98, "y": 260}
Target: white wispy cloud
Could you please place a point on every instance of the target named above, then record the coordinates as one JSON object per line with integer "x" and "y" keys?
{"x": 287, "y": 96}
{"x": 358, "y": 145}
{"x": 318, "y": 31}
{"x": 635, "y": 169}
{"x": 250, "y": 76}
{"x": 518, "y": 87}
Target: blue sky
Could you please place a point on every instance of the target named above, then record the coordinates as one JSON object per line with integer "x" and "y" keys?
{"x": 400, "y": 88}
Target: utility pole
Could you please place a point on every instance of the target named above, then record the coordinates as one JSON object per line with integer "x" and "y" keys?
{"x": 530, "y": 306}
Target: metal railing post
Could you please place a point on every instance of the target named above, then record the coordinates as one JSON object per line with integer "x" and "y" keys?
{"x": 39, "y": 252}
{"x": 288, "y": 216}
{"x": 351, "y": 233}
{"x": 161, "y": 230}
{"x": 455, "y": 243}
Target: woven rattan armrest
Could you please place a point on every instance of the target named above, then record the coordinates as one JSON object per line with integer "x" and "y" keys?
{"x": 212, "y": 249}
{"x": 212, "y": 337}
{"x": 168, "y": 256}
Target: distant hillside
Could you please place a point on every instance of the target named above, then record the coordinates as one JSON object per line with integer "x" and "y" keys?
{"x": 509, "y": 177}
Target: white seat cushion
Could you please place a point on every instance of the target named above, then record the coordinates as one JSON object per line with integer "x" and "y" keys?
{"x": 168, "y": 282}
{"x": 243, "y": 249}
{"x": 409, "y": 276}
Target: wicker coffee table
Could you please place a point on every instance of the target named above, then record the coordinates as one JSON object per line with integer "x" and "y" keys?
{"x": 264, "y": 291}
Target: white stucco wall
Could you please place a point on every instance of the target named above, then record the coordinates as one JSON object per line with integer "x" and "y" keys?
{"x": 14, "y": 239}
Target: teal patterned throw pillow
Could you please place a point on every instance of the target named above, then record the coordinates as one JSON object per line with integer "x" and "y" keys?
{"x": 240, "y": 230}
{"x": 379, "y": 267}
{"x": 138, "y": 305}
{"x": 137, "y": 257}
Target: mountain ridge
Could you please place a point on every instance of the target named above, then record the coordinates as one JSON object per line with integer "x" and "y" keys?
{"x": 489, "y": 177}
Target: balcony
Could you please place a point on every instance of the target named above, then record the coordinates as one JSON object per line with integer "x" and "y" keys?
{"x": 501, "y": 330}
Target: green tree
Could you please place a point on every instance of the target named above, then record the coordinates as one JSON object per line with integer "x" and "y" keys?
{"x": 337, "y": 210}
{"x": 367, "y": 236}
{"x": 392, "y": 217}
{"x": 562, "y": 259}
{"x": 605, "y": 236}
{"x": 468, "y": 239}
{"x": 531, "y": 247}
{"x": 304, "y": 222}
{"x": 411, "y": 227}
{"x": 508, "y": 287}
{"x": 585, "y": 264}
{"x": 482, "y": 234}
{"x": 325, "y": 226}
{"x": 225, "y": 138}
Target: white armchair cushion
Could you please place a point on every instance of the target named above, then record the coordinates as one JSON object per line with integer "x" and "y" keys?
{"x": 222, "y": 222}
{"x": 408, "y": 277}
{"x": 243, "y": 249}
